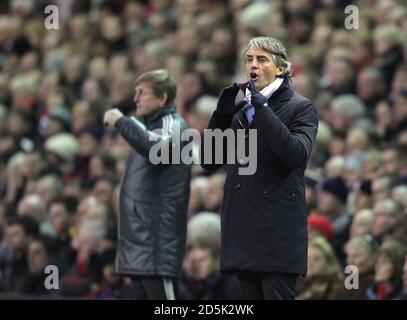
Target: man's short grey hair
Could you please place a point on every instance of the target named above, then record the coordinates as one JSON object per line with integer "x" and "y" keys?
{"x": 324, "y": 134}
{"x": 206, "y": 105}
{"x": 274, "y": 47}
{"x": 201, "y": 184}
{"x": 55, "y": 181}
{"x": 255, "y": 15}
{"x": 349, "y": 105}
{"x": 365, "y": 214}
{"x": 204, "y": 226}
{"x": 399, "y": 194}
{"x": 337, "y": 162}
{"x": 391, "y": 207}
{"x": 363, "y": 241}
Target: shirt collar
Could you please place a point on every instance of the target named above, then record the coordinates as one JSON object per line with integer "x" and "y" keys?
{"x": 268, "y": 90}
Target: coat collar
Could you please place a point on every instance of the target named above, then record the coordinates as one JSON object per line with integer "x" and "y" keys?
{"x": 284, "y": 93}
{"x": 154, "y": 116}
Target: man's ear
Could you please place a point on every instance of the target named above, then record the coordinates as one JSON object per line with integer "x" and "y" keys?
{"x": 163, "y": 100}
{"x": 280, "y": 71}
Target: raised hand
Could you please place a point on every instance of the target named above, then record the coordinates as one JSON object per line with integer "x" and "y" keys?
{"x": 257, "y": 99}
{"x": 226, "y": 103}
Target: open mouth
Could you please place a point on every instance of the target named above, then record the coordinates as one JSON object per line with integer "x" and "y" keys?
{"x": 254, "y": 76}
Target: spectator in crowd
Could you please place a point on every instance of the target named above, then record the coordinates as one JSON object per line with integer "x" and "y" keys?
{"x": 362, "y": 223}
{"x": 320, "y": 153}
{"x": 40, "y": 253}
{"x": 394, "y": 160}
{"x": 61, "y": 211}
{"x": 48, "y": 187}
{"x": 61, "y": 151}
{"x": 199, "y": 188}
{"x": 362, "y": 195}
{"x": 204, "y": 280}
{"x": 371, "y": 88}
{"x": 332, "y": 199}
{"x": 360, "y": 252}
{"x": 33, "y": 206}
{"x": 324, "y": 280}
{"x": 112, "y": 286}
{"x": 387, "y": 283}
{"x": 388, "y": 49}
{"x": 101, "y": 163}
{"x": 82, "y": 278}
{"x": 212, "y": 200}
{"x": 14, "y": 268}
{"x": 399, "y": 195}
{"x": 382, "y": 186}
{"x": 319, "y": 225}
{"x": 345, "y": 110}
{"x": 385, "y": 217}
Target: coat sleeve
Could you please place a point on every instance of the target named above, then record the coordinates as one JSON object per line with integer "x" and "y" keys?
{"x": 216, "y": 122}
{"x": 292, "y": 144}
{"x": 142, "y": 139}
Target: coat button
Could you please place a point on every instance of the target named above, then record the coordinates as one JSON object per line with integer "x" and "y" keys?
{"x": 237, "y": 186}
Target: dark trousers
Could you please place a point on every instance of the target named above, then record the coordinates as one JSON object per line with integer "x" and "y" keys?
{"x": 155, "y": 288}
{"x": 267, "y": 285}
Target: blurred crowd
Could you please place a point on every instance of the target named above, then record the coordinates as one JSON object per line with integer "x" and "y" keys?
{"x": 60, "y": 168}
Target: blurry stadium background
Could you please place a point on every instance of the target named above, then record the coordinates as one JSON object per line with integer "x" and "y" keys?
{"x": 60, "y": 168}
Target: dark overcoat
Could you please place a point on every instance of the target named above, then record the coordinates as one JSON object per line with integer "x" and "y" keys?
{"x": 264, "y": 215}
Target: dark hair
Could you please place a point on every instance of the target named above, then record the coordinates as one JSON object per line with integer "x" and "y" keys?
{"x": 49, "y": 244}
{"x": 29, "y": 224}
{"x": 108, "y": 160}
{"x": 69, "y": 202}
{"x": 396, "y": 254}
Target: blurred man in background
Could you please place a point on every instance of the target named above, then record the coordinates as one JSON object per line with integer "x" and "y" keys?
{"x": 153, "y": 198}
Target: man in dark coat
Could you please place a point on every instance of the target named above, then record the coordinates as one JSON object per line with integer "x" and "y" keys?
{"x": 264, "y": 217}
{"x": 153, "y": 196}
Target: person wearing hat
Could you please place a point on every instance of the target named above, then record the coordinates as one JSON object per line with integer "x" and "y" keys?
{"x": 319, "y": 225}
{"x": 62, "y": 149}
{"x": 332, "y": 198}
{"x": 363, "y": 196}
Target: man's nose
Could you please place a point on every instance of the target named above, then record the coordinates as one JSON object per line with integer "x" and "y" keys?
{"x": 254, "y": 65}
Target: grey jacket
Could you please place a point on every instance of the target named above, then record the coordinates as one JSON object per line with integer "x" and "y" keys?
{"x": 153, "y": 199}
